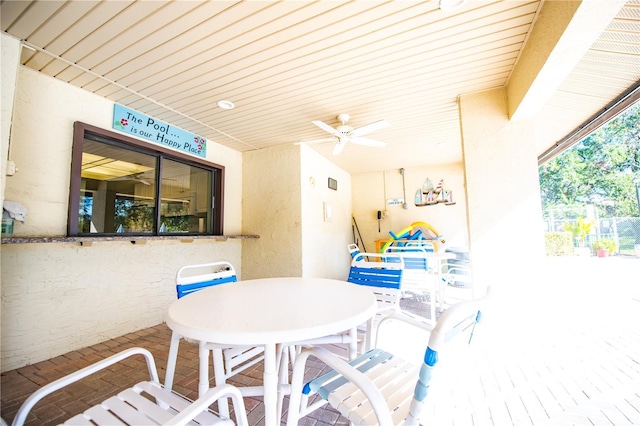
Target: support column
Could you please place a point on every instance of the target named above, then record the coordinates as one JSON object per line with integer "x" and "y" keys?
{"x": 9, "y": 73}
{"x": 503, "y": 191}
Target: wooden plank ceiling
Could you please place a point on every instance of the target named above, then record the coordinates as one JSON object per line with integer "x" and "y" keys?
{"x": 285, "y": 64}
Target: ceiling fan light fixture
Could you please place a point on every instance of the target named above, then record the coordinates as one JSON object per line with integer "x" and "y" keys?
{"x": 224, "y": 104}
{"x": 451, "y": 5}
{"x": 345, "y": 133}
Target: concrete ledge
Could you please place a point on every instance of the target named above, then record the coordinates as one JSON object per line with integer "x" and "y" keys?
{"x": 133, "y": 238}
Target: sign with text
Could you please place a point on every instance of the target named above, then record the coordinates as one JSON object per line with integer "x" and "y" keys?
{"x": 395, "y": 201}
{"x": 156, "y": 131}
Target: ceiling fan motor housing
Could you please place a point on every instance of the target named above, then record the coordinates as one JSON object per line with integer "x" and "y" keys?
{"x": 343, "y": 118}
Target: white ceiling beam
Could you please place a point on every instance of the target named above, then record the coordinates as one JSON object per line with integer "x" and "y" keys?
{"x": 562, "y": 34}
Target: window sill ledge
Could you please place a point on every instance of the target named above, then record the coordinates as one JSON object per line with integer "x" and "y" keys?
{"x": 131, "y": 238}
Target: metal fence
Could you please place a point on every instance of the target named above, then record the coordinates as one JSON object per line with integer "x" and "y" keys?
{"x": 625, "y": 231}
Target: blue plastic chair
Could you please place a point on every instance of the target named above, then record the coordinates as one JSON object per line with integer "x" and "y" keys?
{"x": 384, "y": 274}
{"x": 227, "y": 361}
{"x": 354, "y": 250}
{"x": 419, "y": 276}
{"x": 195, "y": 277}
{"x": 385, "y": 278}
{"x": 378, "y": 387}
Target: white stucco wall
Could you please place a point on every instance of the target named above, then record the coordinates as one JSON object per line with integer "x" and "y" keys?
{"x": 272, "y": 210}
{"x": 372, "y": 190}
{"x": 324, "y": 241}
{"x": 286, "y": 211}
{"x": 9, "y": 61}
{"x": 58, "y": 297}
{"x": 41, "y": 142}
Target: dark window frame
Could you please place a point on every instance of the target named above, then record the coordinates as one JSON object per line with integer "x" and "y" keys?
{"x": 600, "y": 118}
{"x": 80, "y": 130}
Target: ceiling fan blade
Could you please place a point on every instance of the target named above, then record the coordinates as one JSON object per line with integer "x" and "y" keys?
{"x": 316, "y": 141}
{"x": 337, "y": 149}
{"x": 325, "y": 127}
{"x": 368, "y": 142}
{"x": 369, "y": 128}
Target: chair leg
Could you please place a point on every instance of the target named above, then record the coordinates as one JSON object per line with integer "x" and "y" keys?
{"x": 294, "y": 351}
{"x": 270, "y": 383}
{"x": 171, "y": 360}
{"x": 369, "y": 338}
{"x": 295, "y": 398}
{"x": 220, "y": 377}
{"x": 283, "y": 385}
{"x": 203, "y": 384}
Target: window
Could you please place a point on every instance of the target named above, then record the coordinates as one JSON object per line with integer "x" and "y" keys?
{"x": 123, "y": 186}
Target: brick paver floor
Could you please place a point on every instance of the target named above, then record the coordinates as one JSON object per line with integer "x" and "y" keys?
{"x": 564, "y": 349}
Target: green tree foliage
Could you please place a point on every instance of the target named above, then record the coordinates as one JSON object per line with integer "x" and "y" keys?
{"x": 599, "y": 170}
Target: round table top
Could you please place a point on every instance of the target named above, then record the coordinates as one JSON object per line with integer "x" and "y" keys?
{"x": 271, "y": 310}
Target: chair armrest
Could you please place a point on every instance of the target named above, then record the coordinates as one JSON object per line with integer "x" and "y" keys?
{"x": 26, "y": 407}
{"x": 408, "y": 317}
{"x": 407, "y": 333}
{"x": 212, "y": 395}
{"x": 372, "y": 393}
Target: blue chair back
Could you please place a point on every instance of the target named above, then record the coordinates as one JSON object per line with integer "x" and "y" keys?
{"x": 414, "y": 256}
{"x": 375, "y": 277}
{"x": 354, "y": 250}
{"x": 192, "y": 278}
{"x": 382, "y": 272}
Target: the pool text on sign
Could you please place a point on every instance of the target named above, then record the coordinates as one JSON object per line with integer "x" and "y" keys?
{"x": 156, "y": 131}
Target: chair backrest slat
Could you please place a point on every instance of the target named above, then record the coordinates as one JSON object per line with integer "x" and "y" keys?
{"x": 190, "y": 288}
{"x": 354, "y": 250}
{"x": 192, "y": 278}
{"x": 390, "y": 278}
{"x": 384, "y": 276}
{"x": 415, "y": 262}
{"x": 414, "y": 257}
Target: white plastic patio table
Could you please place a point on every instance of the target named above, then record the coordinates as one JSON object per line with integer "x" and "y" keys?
{"x": 269, "y": 312}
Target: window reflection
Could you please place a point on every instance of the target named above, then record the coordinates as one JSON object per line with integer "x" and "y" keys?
{"x": 132, "y": 192}
{"x": 185, "y": 198}
{"x": 118, "y": 190}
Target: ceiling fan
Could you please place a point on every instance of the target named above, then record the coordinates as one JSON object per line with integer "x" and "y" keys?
{"x": 344, "y": 133}
{"x": 134, "y": 177}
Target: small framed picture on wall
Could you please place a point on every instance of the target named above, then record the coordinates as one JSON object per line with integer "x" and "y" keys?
{"x": 333, "y": 184}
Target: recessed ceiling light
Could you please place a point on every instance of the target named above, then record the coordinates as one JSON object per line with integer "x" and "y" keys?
{"x": 226, "y": 105}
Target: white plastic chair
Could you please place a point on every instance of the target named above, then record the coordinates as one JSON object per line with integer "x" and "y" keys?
{"x": 378, "y": 387}
{"x": 384, "y": 274}
{"x": 145, "y": 403}
{"x": 227, "y": 361}
{"x": 384, "y": 277}
{"x": 353, "y": 250}
{"x": 423, "y": 244}
{"x": 457, "y": 282}
{"x": 426, "y": 245}
{"x": 419, "y": 276}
